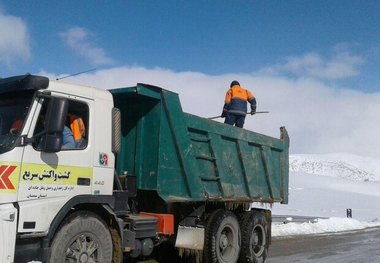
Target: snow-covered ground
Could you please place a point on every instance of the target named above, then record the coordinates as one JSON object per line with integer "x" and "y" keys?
{"x": 326, "y": 186}
{"x": 330, "y": 225}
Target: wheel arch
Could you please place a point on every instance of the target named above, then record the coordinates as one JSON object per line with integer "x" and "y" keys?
{"x": 84, "y": 236}
{"x": 100, "y": 205}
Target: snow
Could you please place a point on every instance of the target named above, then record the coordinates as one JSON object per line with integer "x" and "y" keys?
{"x": 326, "y": 186}
{"x": 337, "y": 165}
{"x": 330, "y": 225}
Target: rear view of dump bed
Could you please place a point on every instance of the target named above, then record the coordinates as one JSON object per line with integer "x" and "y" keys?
{"x": 184, "y": 158}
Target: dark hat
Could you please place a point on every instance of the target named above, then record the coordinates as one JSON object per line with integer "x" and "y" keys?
{"x": 235, "y": 82}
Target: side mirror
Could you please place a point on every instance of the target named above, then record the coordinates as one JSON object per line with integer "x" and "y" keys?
{"x": 51, "y": 143}
{"x": 56, "y": 115}
{"x": 55, "y": 120}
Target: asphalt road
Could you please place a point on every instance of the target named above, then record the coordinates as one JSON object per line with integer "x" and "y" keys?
{"x": 355, "y": 246}
{"x": 362, "y": 246}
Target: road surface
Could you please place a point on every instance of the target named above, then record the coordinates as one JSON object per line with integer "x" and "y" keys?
{"x": 361, "y": 246}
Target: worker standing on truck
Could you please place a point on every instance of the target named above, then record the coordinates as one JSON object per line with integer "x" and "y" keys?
{"x": 235, "y": 106}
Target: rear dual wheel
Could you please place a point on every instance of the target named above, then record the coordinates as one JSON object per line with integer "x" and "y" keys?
{"x": 255, "y": 237}
{"x": 222, "y": 238}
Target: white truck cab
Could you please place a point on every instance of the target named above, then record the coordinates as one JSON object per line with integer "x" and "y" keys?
{"x": 38, "y": 175}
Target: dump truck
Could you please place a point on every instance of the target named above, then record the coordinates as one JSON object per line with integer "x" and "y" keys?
{"x": 144, "y": 179}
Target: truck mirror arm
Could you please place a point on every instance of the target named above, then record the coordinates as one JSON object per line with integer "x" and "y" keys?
{"x": 25, "y": 140}
{"x": 50, "y": 147}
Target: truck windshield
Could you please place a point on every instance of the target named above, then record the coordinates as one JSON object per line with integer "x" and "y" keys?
{"x": 14, "y": 107}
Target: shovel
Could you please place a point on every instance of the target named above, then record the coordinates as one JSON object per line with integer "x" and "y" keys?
{"x": 248, "y": 113}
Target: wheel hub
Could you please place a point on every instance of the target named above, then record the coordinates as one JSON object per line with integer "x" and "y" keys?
{"x": 255, "y": 239}
{"x": 82, "y": 250}
{"x": 223, "y": 243}
{"x": 83, "y": 258}
{"x": 258, "y": 240}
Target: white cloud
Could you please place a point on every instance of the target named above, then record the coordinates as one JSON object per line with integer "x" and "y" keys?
{"x": 79, "y": 39}
{"x": 343, "y": 64}
{"x": 319, "y": 118}
{"x": 14, "y": 39}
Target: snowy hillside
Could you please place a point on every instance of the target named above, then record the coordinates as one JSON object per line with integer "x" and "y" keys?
{"x": 326, "y": 185}
{"x": 345, "y": 166}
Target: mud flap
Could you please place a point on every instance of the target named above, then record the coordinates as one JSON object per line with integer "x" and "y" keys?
{"x": 190, "y": 238}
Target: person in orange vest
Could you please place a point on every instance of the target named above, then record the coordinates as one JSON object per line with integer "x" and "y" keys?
{"x": 78, "y": 129}
{"x": 235, "y": 106}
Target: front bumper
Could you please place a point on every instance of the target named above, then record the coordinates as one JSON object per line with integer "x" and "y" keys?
{"x": 8, "y": 229}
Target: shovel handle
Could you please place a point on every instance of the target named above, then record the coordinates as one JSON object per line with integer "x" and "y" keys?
{"x": 247, "y": 113}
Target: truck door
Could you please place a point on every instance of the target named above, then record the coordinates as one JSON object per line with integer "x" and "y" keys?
{"x": 49, "y": 180}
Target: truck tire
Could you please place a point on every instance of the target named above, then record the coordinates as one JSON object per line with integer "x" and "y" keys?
{"x": 83, "y": 238}
{"x": 254, "y": 237}
{"x": 222, "y": 238}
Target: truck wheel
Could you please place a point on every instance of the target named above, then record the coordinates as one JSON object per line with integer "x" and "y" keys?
{"x": 222, "y": 238}
{"x": 254, "y": 237}
{"x": 83, "y": 238}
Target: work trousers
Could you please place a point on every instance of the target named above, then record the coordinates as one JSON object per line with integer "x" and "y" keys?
{"x": 235, "y": 119}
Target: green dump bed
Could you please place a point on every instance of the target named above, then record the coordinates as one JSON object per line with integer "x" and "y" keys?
{"x": 188, "y": 158}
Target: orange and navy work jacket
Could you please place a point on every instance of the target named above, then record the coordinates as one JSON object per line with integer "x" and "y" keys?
{"x": 236, "y": 100}
{"x": 77, "y": 127}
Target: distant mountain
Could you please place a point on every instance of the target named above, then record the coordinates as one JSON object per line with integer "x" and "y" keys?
{"x": 347, "y": 166}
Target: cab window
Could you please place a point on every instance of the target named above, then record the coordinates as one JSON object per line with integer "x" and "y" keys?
{"x": 75, "y": 133}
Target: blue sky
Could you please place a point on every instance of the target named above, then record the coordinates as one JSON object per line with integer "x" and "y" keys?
{"x": 211, "y": 37}
{"x": 313, "y": 64}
